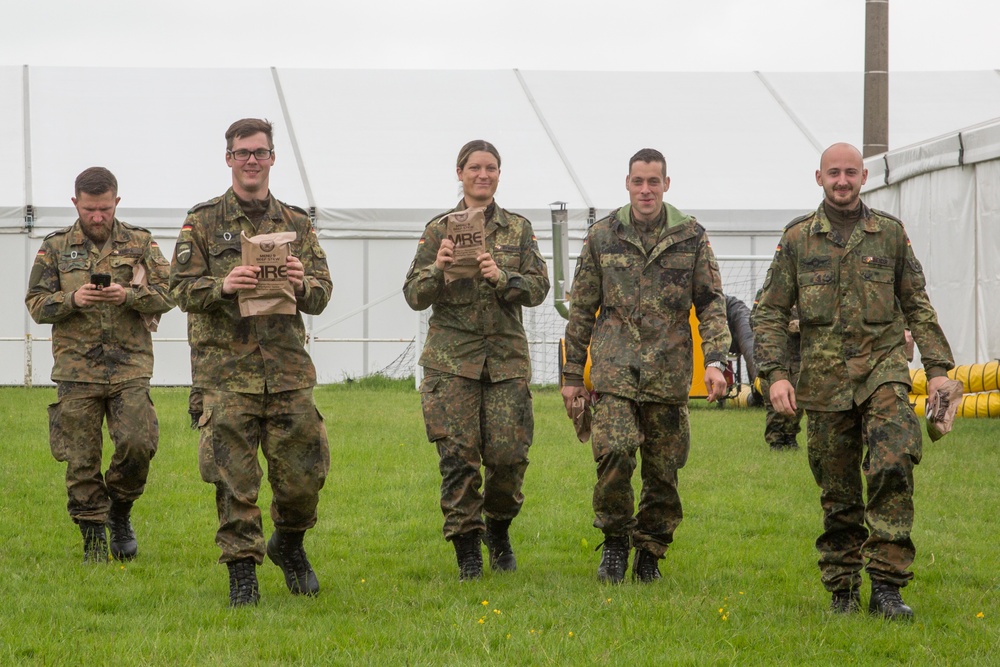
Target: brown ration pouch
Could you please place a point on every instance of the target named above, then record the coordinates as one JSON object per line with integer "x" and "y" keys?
{"x": 465, "y": 229}
{"x": 274, "y": 294}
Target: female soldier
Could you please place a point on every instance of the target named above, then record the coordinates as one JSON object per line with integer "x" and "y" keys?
{"x": 475, "y": 396}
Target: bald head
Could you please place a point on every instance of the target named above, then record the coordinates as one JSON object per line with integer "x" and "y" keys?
{"x": 841, "y": 174}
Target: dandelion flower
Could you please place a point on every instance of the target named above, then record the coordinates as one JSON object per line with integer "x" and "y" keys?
{"x": 484, "y": 602}
{"x": 979, "y": 615}
{"x": 508, "y": 635}
{"x": 741, "y": 592}
{"x": 482, "y": 620}
{"x": 497, "y": 612}
{"x": 721, "y": 609}
{"x": 570, "y": 633}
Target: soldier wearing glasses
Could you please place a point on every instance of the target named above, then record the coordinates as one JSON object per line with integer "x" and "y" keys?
{"x": 255, "y": 372}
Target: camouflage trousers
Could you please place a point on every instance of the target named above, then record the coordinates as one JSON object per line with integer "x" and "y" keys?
{"x": 660, "y": 432}
{"x": 478, "y": 423}
{"x": 886, "y": 426}
{"x": 290, "y": 432}
{"x": 76, "y": 437}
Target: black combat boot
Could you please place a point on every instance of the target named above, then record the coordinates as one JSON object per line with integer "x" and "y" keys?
{"x": 645, "y": 566}
{"x": 498, "y": 544}
{"x": 243, "y": 589}
{"x": 95, "y": 542}
{"x": 888, "y": 603}
{"x": 285, "y": 550}
{"x": 614, "y": 559}
{"x": 846, "y": 601}
{"x": 123, "y": 544}
{"x": 469, "y": 552}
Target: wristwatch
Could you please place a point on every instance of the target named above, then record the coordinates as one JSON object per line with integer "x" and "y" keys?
{"x": 717, "y": 365}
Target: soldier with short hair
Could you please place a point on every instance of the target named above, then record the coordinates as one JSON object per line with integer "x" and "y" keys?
{"x": 641, "y": 270}
{"x": 475, "y": 396}
{"x": 857, "y": 284}
{"x": 101, "y": 283}
{"x": 254, "y": 372}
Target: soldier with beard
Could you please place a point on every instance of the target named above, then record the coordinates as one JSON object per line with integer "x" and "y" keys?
{"x": 87, "y": 282}
{"x": 857, "y": 284}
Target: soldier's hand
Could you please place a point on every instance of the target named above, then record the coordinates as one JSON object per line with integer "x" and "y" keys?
{"x": 569, "y": 393}
{"x": 296, "y": 273}
{"x": 91, "y": 295}
{"x": 783, "y": 398}
{"x": 933, "y": 384}
{"x": 446, "y": 254}
{"x": 241, "y": 277}
{"x": 715, "y": 383}
{"x": 488, "y": 268}
{"x": 114, "y": 294}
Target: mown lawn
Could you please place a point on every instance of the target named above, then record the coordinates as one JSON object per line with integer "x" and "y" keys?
{"x": 740, "y": 582}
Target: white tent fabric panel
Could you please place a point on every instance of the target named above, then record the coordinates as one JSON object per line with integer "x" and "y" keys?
{"x": 922, "y": 105}
{"x": 987, "y": 260}
{"x": 161, "y": 131}
{"x": 719, "y": 133}
{"x": 374, "y": 152}
{"x": 12, "y": 133}
{"x": 391, "y": 138}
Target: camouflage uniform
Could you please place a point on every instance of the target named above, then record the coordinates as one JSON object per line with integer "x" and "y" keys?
{"x": 256, "y": 375}
{"x": 475, "y": 396}
{"x": 781, "y": 431}
{"x": 641, "y": 352}
{"x": 103, "y": 361}
{"x": 854, "y": 300}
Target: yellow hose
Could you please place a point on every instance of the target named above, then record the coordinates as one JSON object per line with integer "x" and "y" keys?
{"x": 982, "y": 404}
{"x": 974, "y": 378}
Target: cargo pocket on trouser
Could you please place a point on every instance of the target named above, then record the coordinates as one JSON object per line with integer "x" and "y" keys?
{"x": 57, "y": 443}
{"x": 206, "y": 450}
{"x": 435, "y": 413}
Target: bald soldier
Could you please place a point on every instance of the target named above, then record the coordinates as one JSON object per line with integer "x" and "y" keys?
{"x": 857, "y": 284}
{"x": 100, "y": 283}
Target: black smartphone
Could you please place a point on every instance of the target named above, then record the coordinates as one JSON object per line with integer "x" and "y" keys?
{"x": 101, "y": 280}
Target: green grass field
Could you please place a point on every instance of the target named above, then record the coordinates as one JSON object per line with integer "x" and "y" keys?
{"x": 740, "y": 582}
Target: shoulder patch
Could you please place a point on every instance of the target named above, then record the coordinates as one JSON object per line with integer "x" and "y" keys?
{"x": 64, "y": 230}
{"x": 205, "y": 204}
{"x": 801, "y": 218}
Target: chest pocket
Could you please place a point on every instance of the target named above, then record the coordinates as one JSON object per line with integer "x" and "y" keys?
{"x": 459, "y": 292}
{"x": 122, "y": 268}
{"x": 675, "y": 270}
{"x": 618, "y": 283}
{"x": 817, "y": 297}
{"x": 507, "y": 257}
{"x": 224, "y": 257}
{"x": 878, "y": 285}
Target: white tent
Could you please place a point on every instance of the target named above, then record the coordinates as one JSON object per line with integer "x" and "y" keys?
{"x": 372, "y": 153}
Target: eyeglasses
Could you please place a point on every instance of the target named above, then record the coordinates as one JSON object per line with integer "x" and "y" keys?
{"x": 242, "y": 154}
